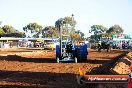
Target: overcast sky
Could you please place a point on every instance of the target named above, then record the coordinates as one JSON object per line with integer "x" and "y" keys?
{"x": 19, "y": 13}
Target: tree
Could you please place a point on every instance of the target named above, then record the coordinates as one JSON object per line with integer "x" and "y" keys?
{"x": 50, "y": 31}
{"x": 98, "y": 31}
{"x": 59, "y": 23}
{"x": 68, "y": 27}
{"x": 75, "y": 37}
{"x": 69, "y": 22}
{"x": 116, "y": 29}
{"x": 33, "y": 29}
{"x": 80, "y": 33}
{"x": 8, "y": 29}
{"x": 1, "y": 32}
{"x": 16, "y": 35}
{"x": 19, "y": 34}
{"x": 66, "y": 22}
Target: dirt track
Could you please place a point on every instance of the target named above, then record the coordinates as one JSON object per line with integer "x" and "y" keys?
{"x": 38, "y": 68}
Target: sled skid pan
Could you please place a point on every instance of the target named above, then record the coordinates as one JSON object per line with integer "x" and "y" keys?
{"x": 84, "y": 79}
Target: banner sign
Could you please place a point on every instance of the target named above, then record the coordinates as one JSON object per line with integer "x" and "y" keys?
{"x": 107, "y": 78}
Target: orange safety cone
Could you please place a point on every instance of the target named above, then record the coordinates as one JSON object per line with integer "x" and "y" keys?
{"x": 81, "y": 72}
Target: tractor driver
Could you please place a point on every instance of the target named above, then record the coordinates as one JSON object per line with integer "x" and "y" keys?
{"x": 69, "y": 48}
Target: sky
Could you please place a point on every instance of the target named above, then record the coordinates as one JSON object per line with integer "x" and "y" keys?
{"x": 19, "y": 13}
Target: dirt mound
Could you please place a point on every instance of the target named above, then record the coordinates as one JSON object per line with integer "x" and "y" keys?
{"x": 123, "y": 65}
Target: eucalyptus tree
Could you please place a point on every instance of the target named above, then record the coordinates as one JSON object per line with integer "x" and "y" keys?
{"x": 9, "y": 29}
{"x": 67, "y": 25}
{"x": 98, "y": 32}
{"x": 115, "y": 29}
{"x": 33, "y": 29}
{"x": 50, "y": 31}
{"x": 1, "y": 32}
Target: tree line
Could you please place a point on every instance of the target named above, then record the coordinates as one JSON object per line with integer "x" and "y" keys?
{"x": 100, "y": 32}
{"x": 35, "y": 30}
{"x": 9, "y": 31}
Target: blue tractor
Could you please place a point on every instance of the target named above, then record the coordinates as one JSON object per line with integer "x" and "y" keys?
{"x": 71, "y": 53}
{"x": 68, "y": 52}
